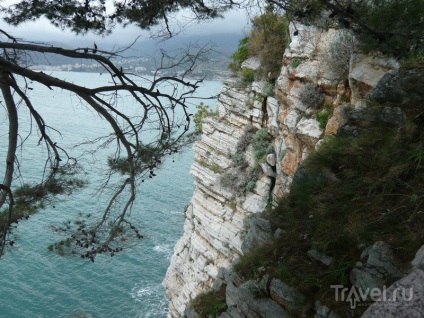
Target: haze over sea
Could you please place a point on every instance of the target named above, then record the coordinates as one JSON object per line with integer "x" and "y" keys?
{"x": 37, "y": 283}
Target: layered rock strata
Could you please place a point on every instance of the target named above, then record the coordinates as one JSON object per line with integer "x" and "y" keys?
{"x": 218, "y": 227}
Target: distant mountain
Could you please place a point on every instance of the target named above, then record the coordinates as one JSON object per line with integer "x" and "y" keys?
{"x": 223, "y": 46}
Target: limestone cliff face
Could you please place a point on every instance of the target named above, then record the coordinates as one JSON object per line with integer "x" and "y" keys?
{"x": 218, "y": 227}
{"x": 213, "y": 229}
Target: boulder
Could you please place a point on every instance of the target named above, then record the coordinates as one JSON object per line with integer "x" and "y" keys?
{"x": 273, "y": 108}
{"x": 393, "y": 115}
{"x": 308, "y": 131}
{"x": 292, "y": 119}
{"x": 267, "y": 169}
{"x": 365, "y": 72}
{"x": 320, "y": 257}
{"x": 243, "y": 300}
{"x": 271, "y": 160}
{"x": 403, "y": 299}
{"x": 258, "y": 232}
{"x": 376, "y": 267}
{"x": 284, "y": 294}
{"x": 325, "y": 312}
{"x": 399, "y": 88}
{"x": 252, "y": 63}
{"x": 418, "y": 261}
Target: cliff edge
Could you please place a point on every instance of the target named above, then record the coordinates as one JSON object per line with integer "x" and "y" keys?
{"x": 245, "y": 161}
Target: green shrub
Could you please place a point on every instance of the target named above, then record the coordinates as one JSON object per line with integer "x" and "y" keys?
{"x": 202, "y": 111}
{"x": 210, "y": 304}
{"x": 295, "y": 62}
{"x": 237, "y": 178}
{"x": 211, "y": 166}
{"x": 261, "y": 143}
{"x": 246, "y": 138}
{"x": 268, "y": 89}
{"x": 240, "y": 55}
{"x": 247, "y": 76}
{"x": 352, "y": 191}
{"x": 269, "y": 38}
{"x": 323, "y": 116}
{"x": 239, "y": 160}
{"x": 251, "y": 185}
{"x": 231, "y": 179}
{"x": 393, "y": 27}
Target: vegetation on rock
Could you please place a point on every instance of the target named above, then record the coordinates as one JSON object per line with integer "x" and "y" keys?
{"x": 350, "y": 193}
{"x": 241, "y": 178}
{"x": 267, "y": 41}
{"x": 203, "y": 110}
{"x": 210, "y": 304}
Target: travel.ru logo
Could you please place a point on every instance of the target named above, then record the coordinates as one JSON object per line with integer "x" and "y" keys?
{"x": 358, "y": 297}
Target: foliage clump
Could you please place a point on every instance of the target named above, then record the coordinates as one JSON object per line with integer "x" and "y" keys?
{"x": 203, "y": 110}
{"x": 323, "y": 116}
{"x": 240, "y": 55}
{"x": 311, "y": 96}
{"x": 210, "y": 304}
{"x": 395, "y": 26}
{"x": 353, "y": 191}
{"x": 246, "y": 138}
{"x": 261, "y": 143}
{"x": 29, "y": 199}
{"x": 392, "y": 27}
{"x": 247, "y": 76}
{"x": 267, "y": 41}
{"x": 240, "y": 177}
{"x": 148, "y": 157}
{"x": 338, "y": 54}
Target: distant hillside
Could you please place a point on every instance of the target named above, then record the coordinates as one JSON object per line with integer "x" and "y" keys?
{"x": 223, "y": 46}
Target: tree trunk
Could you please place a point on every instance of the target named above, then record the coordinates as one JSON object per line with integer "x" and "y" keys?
{"x": 13, "y": 134}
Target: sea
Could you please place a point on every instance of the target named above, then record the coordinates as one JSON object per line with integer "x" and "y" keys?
{"x": 35, "y": 282}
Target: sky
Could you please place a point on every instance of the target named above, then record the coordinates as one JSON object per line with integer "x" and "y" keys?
{"x": 234, "y": 22}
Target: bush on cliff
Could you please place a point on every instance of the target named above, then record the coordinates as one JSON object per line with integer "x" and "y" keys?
{"x": 267, "y": 40}
{"x": 210, "y": 304}
{"x": 203, "y": 110}
{"x": 393, "y": 27}
{"x": 240, "y": 55}
{"x": 353, "y": 191}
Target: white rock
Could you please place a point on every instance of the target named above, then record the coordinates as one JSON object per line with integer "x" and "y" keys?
{"x": 270, "y": 159}
{"x": 305, "y": 42}
{"x": 292, "y": 119}
{"x": 283, "y": 84}
{"x": 418, "y": 261}
{"x": 403, "y": 299}
{"x": 308, "y": 131}
{"x": 364, "y": 74}
{"x": 257, "y": 200}
{"x": 267, "y": 169}
{"x": 273, "y": 108}
{"x": 252, "y": 63}
{"x": 308, "y": 70}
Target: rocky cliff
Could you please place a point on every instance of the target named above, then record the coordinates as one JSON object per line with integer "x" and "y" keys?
{"x": 223, "y": 222}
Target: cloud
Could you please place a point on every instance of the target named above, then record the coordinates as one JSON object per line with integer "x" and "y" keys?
{"x": 233, "y": 22}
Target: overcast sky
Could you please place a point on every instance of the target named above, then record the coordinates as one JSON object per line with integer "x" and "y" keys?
{"x": 234, "y": 22}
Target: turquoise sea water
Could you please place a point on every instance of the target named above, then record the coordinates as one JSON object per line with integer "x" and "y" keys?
{"x": 37, "y": 283}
